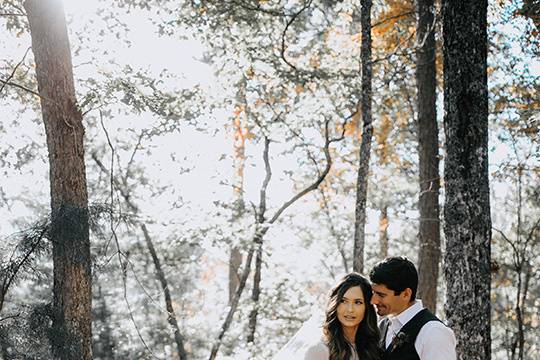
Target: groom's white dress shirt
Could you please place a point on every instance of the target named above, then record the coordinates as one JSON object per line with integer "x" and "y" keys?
{"x": 435, "y": 341}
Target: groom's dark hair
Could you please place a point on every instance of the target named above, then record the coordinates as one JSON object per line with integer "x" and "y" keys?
{"x": 397, "y": 273}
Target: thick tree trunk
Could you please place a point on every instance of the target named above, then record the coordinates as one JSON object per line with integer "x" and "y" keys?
{"x": 428, "y": 152}
{"x": 467, "y": 224}
{"x": 71, "y": 333}
{"x": 367, "y": 134}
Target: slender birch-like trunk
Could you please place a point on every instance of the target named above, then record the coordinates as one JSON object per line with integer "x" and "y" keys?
{"x": 428, "y": 156}
{"x": 367, "y": 134}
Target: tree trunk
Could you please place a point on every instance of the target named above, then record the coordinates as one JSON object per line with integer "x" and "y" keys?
{"x": 235, "y": 261}
{"x": 383, "y": 232}
{"x": 69, "y": 234}
{"x": 239, "y": 161}
{"x": 367, "y": 134}
{"x": 258, "y": 243}
{"x": 171, "y": 316}
{"x": 467, "y": 224}
{"x": 255, "y": 293}
{"x": 428, "y": 151}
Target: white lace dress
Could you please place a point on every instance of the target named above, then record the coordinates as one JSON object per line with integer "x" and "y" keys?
{"x": 308, "y": 343}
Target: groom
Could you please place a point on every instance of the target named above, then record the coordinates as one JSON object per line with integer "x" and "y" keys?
{"x": 409, "y": 331}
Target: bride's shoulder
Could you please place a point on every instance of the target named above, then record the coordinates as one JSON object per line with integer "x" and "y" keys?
{"x": 317, "y": 351}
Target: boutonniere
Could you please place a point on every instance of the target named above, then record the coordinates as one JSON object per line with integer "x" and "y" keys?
{"x": 399, "y": 340}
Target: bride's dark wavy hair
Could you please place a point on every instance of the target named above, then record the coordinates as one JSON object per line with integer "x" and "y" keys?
{"x": 367, "y": 336}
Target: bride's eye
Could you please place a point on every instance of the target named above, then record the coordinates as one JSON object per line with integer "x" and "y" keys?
{"x": 358, "y": 302}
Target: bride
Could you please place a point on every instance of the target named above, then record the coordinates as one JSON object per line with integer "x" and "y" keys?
{"x": 347, "y": 332}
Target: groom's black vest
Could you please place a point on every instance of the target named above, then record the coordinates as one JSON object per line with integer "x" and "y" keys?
{"x": 402, "y": 346}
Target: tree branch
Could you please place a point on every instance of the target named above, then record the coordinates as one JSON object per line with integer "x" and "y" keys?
{"x": 313, "y": 185}
{"x": 7, "y": 81}
{"x": 284, "y": 33}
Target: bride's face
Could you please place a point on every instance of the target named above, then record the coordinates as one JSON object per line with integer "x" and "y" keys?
{"x": 351, "y": 307}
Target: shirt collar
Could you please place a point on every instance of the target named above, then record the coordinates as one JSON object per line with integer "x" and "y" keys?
{"x": 403, "y": 317}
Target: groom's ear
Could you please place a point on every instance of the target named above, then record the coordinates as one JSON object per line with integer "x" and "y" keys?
{"x": 407, "y": 293}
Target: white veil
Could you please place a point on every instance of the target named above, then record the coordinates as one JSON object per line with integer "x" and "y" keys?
{"x": 306, "y": 339}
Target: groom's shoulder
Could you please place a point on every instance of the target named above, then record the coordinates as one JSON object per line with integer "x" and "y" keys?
{"x": 432, "y": 321}
{"x": 436, "y": 329}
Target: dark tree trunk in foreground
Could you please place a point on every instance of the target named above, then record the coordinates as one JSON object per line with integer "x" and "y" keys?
{"x": 467, "y": 225}
{"x": 367, "y": 134}
{"x": 71, "y": 328}
{"x": 428, "y": 153}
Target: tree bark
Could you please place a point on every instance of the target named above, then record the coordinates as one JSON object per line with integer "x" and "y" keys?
{"x": 367, "y": 134}
{"x": 71, "y": 328}
{"x": 467, "y": 225}
{"x": 235, "y": 261}
{"x": 429, "y": 237}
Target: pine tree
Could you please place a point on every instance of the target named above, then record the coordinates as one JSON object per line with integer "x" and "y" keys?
{"x": 467, "y": 225}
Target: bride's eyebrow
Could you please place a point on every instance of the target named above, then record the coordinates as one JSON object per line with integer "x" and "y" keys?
{"x": 346, "y": 298}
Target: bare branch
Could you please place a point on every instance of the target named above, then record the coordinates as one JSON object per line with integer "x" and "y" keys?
{"x": 10, "y": 317}
{"x": 6, "y": 283}
{"x": 313, "y": 185}
{"x": 115, "y": 236}
{"x": 535, "y": 227}
{"x": 284, "y": 33}
{"x": 398, "y": 16}
{"x": 395, "y": 52}
{"x": 515, "y": 254}
{"x": 5, "y": 82}
{"x": 339, "y": 238}
{"x": 262, "y": 204}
